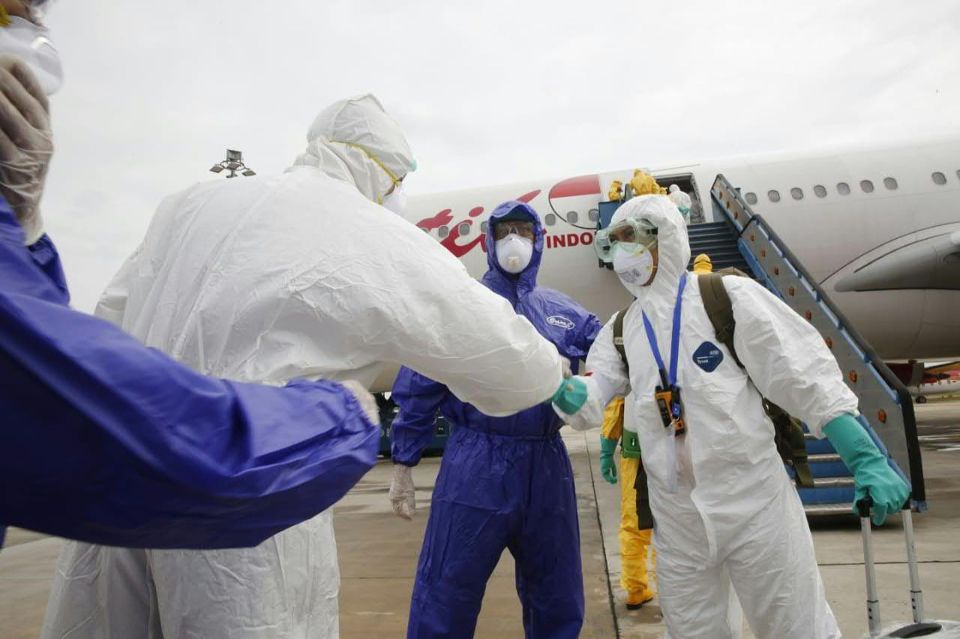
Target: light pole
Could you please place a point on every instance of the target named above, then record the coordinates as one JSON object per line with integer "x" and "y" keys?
{"x": 233, "y": 163}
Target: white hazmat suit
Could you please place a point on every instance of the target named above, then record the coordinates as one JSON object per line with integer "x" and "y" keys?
{"x": 720, "y": 496}
{"x": 269, "y": 279}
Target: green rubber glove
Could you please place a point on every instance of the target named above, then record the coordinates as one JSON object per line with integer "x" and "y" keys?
{"x": 607, "y": 466}
{"x": 871, "y": 472}
{"x": 571, "y": 396}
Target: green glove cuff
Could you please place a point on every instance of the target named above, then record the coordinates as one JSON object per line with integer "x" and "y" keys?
{"x": 607, "y": 446}
{"x": 852, "y": 442}
{"x": 571, "y": 396}
{"x": 872, "y": 473}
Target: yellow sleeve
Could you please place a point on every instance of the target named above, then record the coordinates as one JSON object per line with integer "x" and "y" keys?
{"x": 613, "y": 419}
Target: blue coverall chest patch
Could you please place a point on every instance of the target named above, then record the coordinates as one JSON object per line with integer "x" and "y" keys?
{"x": 708, "y": 356}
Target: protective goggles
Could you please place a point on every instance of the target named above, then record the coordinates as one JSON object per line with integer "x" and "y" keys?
{"x": 632, "y": 236}
{"x": 505, "y": 228}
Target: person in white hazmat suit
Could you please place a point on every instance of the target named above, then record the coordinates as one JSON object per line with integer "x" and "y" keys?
{"x": 302, "y": 275}
{"x": 724, "y": 508}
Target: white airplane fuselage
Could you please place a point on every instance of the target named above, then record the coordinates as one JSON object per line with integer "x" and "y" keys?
{"x": 886, "y": 248}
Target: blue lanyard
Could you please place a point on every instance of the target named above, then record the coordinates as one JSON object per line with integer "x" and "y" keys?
{"x": 675, "y": 340}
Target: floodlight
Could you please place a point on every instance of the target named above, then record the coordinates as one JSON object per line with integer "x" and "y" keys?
{"x": 233, "y": 164}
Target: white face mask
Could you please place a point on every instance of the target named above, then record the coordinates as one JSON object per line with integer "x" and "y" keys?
{"x": 633, "y": 269}
{"x": 396, "y": 200}
{"x": 30, "y": 43}
{"x": 514, "y": 253}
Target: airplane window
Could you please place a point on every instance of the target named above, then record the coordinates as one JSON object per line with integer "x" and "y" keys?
{"x": 550, "y": 219}
{"x": 464, "y": 228}
{"x": 443, "y": 232}
{"x": 773, "y": 195}
{"x": 751, "y": 198}
{"x": 843, "y": 188}
{"x": 594, "y": 215}
{"x": 939, "y": 178}
{"x": 483, "y": 227}
{"x": 890, "y": 183}
{"x": 572, "y": 217}
{"x": 820, "y": 190}
{"x": 796, "y": 193}
{"x": 866, "y": 186}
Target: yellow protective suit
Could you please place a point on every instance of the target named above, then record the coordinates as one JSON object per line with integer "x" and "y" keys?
{"x": 634, "y": 578}
{"x": 702, "y": 264}
{"x": 616, "y": 191}
{"x": 642, "y": 183}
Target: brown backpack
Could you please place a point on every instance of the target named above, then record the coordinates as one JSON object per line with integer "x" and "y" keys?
{"x": 788, "y": 431}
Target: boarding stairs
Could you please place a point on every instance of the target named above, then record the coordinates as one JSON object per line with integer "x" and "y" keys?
{"x": 741, "y": 238}
{"x": 833, "y": 483}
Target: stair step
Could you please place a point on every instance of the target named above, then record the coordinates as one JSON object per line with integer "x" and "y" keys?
{"x": 825, "y": 494}
{"x": 715, "y": 245}
{"x": 827, "y": 510}
{"x": 693, "y": 229}
{"x": 717, "y": 254}
{"x": 717, "y": 230}
{"x": 714, "y": 237}
{"x": 820, "y": 458}
{"x": 729, "y": 249}
{"x": 832, "y": 482}
{"x": 717, "y": 234}
{"x": 818, "y": 446}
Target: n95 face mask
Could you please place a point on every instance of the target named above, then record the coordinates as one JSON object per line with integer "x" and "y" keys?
{"x": 514, "y": 253}
{"x": 396, "y": 200}
{"x": 634, "y": 269}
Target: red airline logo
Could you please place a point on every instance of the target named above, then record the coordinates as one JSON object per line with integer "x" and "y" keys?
{"x": 586, "y": 185}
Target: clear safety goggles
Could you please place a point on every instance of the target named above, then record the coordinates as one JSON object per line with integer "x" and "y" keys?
{"x": 503, "y": 229}
{"x": 632, "y": 236}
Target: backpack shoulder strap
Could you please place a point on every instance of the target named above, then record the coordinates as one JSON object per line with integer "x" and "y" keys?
{"x": 719, "y": 309}
{"x": 618, "y": 336}
{"x": 788, "y": 432}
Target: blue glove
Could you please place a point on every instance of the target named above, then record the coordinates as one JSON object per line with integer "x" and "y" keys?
{"x": 607, "y": 466}
{"x": 871, "y": 472}
{"x": 571, "y": 396}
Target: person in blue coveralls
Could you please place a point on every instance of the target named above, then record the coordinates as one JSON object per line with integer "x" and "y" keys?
{"x": 107, "y": 441}
{"x": 505, "y": 482}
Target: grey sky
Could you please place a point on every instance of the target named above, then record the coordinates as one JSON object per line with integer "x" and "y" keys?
{"x": 487, "y": 92}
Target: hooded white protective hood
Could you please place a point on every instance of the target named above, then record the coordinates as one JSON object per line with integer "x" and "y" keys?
{"x": 356, "y": 141}
{"x": 672, "y": 244}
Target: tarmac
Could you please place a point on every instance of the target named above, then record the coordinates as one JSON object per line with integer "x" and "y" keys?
{"x": 378, "y": 554}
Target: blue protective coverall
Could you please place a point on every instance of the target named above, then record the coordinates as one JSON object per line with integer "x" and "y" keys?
{"x": 505, "y": 482}
{"x": 106, "y": 441}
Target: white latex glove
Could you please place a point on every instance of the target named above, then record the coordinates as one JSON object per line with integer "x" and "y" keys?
{"x": 367, "y": 401}
{"x": 567, "y": 370}
{"x": 403, "y": 495}
{"x": 26, "y": 143}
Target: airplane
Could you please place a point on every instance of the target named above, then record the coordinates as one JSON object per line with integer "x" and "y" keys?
{"x": 877, "y": 227}
{"x": 939, "y": 379}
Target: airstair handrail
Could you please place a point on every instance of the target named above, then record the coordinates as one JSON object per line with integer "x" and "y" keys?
{"x": 739, "y": 214}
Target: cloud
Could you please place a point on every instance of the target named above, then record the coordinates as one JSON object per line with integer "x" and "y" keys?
{"x": 488, "y": 92}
